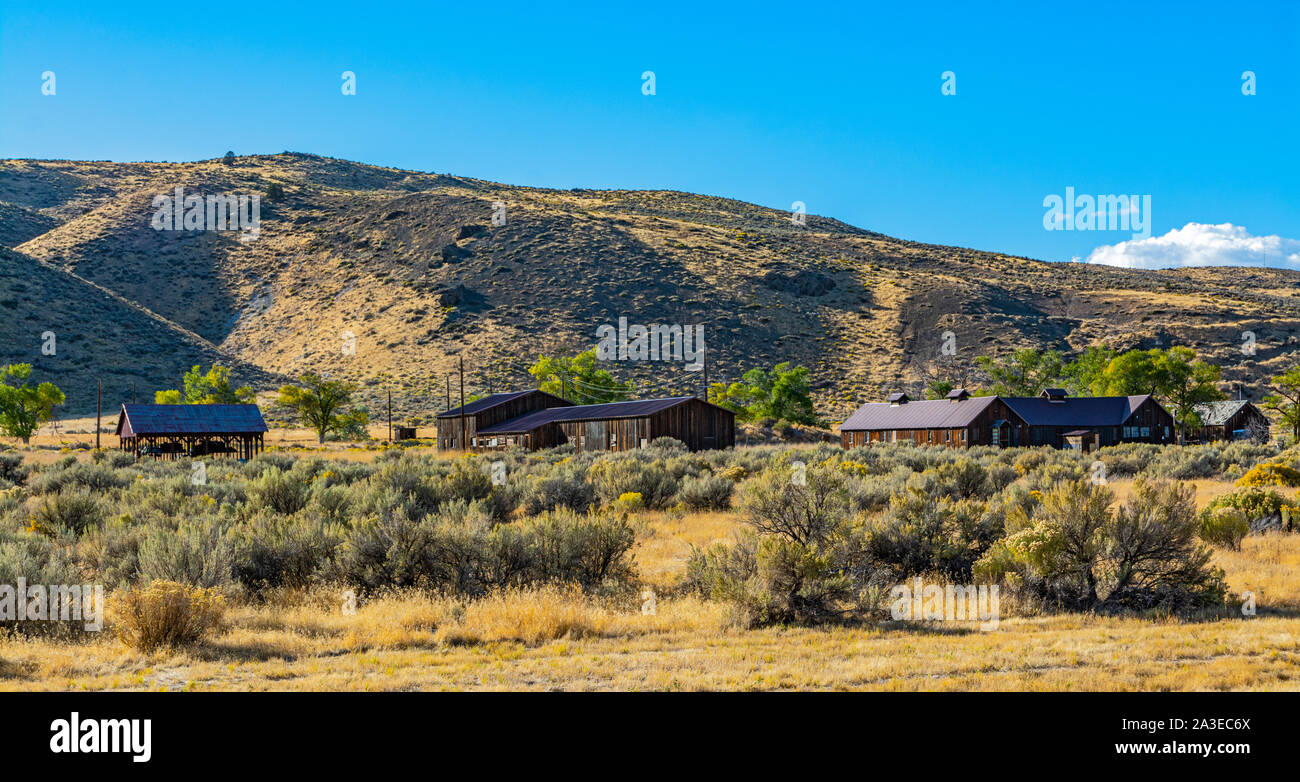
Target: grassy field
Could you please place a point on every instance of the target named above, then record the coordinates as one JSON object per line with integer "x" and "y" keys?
{"x": 554, "y": 638}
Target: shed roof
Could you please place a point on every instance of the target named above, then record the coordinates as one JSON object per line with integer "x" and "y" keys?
{"x": 492, "y": 400}
{"x": 921, "y": 414}
{"x": 145, "y": 419}
{"x": 1076, "y": 411}
{"x": 1218, "y": 413}
{"x": 632, "y": 409}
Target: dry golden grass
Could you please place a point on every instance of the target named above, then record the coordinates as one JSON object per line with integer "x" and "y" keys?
{"x": 558, "y": 639}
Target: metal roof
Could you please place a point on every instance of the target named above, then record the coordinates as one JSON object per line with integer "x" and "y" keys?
{"x": 138, "y": 419}
{"x": 633, "y": 409}
{"x": 1218, "y": 413}
{"x": 492, "y": 400}
{"x": 921, "y": 414}
{"x": 1075, "y": 411}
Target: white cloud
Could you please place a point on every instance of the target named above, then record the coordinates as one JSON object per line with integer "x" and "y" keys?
{"x": 1201, "y": 244}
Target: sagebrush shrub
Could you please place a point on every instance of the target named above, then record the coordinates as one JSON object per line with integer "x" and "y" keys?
{"x": 561, "y": 488}
{"x": 76, "y": 512}
{"x": 1224, "y": 526}
{"x": 279, "y": 491}
{"x": 198, "y": 553}
{"x": 711, "y": 492}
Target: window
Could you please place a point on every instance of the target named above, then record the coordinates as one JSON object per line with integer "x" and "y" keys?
{"x": 1146, "y": 431}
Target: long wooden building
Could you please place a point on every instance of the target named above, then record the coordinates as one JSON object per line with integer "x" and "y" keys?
{"x": 1054, "y": 419}
{"x": 612, "y": 426}
{"x": 1088, "y": 422}
{"x": 957, "y": 421}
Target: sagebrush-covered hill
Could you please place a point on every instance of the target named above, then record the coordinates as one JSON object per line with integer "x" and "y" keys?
{"x": 410, "y": 264}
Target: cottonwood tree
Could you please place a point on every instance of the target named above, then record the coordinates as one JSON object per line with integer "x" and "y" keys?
{"x": 210, "y": 388}
{"x": 1185, "y": 381}
{"x": 577, "y": 379}
{"x": 1285, "y": 399}
{"x": 1026, "y": 372}
{"x": 784, "y": 394}
{"x": 23, "y": 407}
{"x": 321, "y": 404}
{"x": 1084, "y": 375}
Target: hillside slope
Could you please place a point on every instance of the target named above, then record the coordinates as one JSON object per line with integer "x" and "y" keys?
{"x": 411, "y": 265}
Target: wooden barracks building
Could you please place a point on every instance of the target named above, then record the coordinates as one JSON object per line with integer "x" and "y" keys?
{"x": 535, "y": 419}
{"x": 1053, "y": 419}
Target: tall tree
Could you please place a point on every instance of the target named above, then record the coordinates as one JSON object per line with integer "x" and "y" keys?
{"x": 1285, "y": 399}
{"x": 206, "y": 388}
{"x": 578, "y": 379}
{"x": 1026, "y": 372}
{"x": 320, "y": 404}
{"x": 1132, "y": 372}
{"x": 1185, "y": 381}
{"x": 784, "y": 393}
{"x": 1084, "y": 375}
{"x": 23, "y": 407}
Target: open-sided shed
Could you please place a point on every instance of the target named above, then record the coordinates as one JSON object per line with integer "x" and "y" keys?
{"x": 172, "y": 431}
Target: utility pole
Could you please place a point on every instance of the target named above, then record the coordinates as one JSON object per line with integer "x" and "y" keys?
{"x": 463, "y": 442}
{"x": 99, "y": 408}
{"x": 390, "y": 415}
{"x": 705, "y": 351}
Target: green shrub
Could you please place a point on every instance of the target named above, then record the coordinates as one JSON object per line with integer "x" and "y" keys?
{"x": 564, "y": 487}
{"x": 712, "y": 492}
{"x": 614, "y": 476}
{"x": 274, "y": 551}
{"x": 1075, "y": 553}
{"x": 1255, "y": 501}
{"x": 76, "y": 512}
{"x": 804, "y": 511}
{"x": 1224, "y": 526}
{"x": 279, "y": 491}
{"x": 12, "y": 469}
{"x": 196, "y": 553}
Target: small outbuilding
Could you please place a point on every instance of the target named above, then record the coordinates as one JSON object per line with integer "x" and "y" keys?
{"x": 173, "y": 431}
{"x": 1233, "y": 419}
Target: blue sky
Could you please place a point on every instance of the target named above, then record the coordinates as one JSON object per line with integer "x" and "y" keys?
{"x": 838, "y": 106}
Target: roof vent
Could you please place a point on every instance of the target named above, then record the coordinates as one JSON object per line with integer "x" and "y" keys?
{"x": 958, "y": 394}
{"x": 898, "y": 399}
{"x": 1054, "y": 394}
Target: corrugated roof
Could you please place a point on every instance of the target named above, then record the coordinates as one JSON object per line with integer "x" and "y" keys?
{"x": 492, "y": 400}
{"x": 1075, "y": 411}
{"x": 633, "y": 409}
{"x": 921, "y": 414}
{"x": 1218, "y": 413}
{"x": 191, "y": 419}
